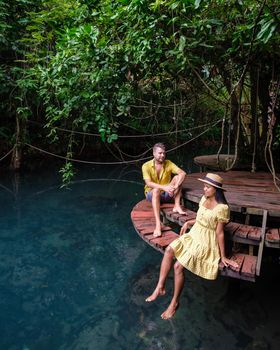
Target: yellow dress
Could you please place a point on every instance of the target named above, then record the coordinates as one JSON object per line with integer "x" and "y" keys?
{"x": 198, "y": 250}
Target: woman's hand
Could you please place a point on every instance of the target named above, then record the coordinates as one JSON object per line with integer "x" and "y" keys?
{"x": 185, "y": 227}
{"x": 229, "y": 262}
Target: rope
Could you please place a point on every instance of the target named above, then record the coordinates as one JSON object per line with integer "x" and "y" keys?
{"x": 129, "y": 136}
{"x": 222, "y": 137}
{"x": 237, "y": 134}
{"x": 255, "y": 128}
{"x": 149, "y": 103}
{"x": 77, "y": 160}
{"x": 131, "y": 156}
{"x": 211, "y": 92}
{"x": 6, "y": 155}
{"x": 115, "y": 163}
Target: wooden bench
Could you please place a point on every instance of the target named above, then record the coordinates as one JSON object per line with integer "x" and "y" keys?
{"x": 249, "y": 265}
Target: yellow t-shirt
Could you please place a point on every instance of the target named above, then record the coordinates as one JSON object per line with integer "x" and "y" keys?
{"x": 149, "y": 173}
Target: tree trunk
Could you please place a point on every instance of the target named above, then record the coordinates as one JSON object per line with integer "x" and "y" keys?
{"x": 16, "y": 160}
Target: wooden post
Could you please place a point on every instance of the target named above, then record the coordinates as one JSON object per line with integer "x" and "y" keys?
{"x": 260, "y": 252}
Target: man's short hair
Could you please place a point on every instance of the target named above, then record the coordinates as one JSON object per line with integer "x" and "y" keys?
{"x": 159, "y": 145}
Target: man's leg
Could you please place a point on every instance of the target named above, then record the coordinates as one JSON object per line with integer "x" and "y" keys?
{"x": 179, "y": 279}
{"x": 164, "y": 269}
{"x": 156, "y": 209}
{"x": 177, "y": 196}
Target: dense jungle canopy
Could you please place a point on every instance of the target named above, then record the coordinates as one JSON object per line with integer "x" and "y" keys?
{"x": 78, "y": 77}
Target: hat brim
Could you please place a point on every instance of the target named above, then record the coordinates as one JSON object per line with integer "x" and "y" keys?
{"x": 211, "y": 184}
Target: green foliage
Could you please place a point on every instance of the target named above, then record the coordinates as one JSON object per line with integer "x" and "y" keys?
{"x": 276, "y": 143}
{"x": 67, "y": 172}
{"x": 105, "y": 66}
{"x": 4, "y": 26}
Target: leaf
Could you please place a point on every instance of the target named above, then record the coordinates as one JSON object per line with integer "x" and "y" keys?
{"x": 267, "y": 29}
{"x": 182, "y": 43}
{"x": 197, "y": 4}
{"x": 112, "y": 137}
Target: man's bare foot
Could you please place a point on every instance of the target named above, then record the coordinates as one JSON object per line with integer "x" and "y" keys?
{"x": 157, "y": 232}
{"x": 179, "y": 210}
{"x": 157, "y": 292}
{"x": 170, "y": 311}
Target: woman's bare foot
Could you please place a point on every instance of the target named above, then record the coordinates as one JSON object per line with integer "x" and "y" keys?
{"x": 157, "y": 232}
{"x": 179, "y": 210}
{"x": 157, "y": 292}
{"x": 170, "y": 311}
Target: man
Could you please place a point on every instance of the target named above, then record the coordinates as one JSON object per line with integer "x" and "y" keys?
{"x": 160, "y": 186}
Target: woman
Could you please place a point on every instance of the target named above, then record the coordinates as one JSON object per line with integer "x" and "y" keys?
{"x": 201, "y": 249}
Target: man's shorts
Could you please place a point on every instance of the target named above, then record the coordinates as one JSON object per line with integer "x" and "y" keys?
{"x": 164, "y": 197}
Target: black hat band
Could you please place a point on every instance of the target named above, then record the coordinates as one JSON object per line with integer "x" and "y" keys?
{"x": 216, "y": 183}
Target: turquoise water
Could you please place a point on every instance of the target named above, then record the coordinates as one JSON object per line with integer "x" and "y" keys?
{"x": 74, "y": 275}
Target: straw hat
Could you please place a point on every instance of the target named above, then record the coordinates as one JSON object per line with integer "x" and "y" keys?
{"x": 213, "y": 180}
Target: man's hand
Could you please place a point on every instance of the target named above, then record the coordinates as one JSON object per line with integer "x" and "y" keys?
{"x": 169, "y": 189}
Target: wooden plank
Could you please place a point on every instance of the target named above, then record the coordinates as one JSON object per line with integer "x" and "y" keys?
{"x": 143, "y": 220}
{"x": 143, "y": 224}
{"x": 231, "y": 228}
{"x": 139, "y": 214}
{"x": 172, "y": 217}
{"x": 243, "y": 231}
{"x": 149, "y": 230}
{"x": 255, "y": 233}
{"x": 183, "y": 219}
{"x": 231, "y": 271}
{"x": 239, "y": 258}
{"x": 164, "y": 240}
{"x": 189, "y": 214}
{"x": 249, "y": 266}
{"x": 143, "y": 205}
{"x": 272, "y": 236}
{"x": 166, "y": 205}
{"x": 246, "y": 269}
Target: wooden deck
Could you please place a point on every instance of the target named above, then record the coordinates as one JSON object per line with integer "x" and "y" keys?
{"x": 246, "y": 191}
{"x": 143, "y": 220}
{"x": 249, "y": 195}
{"x": 216, "y": 163}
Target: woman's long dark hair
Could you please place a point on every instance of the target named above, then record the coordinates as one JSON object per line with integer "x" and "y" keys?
{"x": 220, "y": 196}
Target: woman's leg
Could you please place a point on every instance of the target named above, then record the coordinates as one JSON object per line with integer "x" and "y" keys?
{"x": 179, "y": 279}
{"x": 164, "y": 269}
